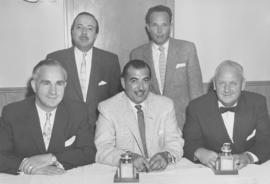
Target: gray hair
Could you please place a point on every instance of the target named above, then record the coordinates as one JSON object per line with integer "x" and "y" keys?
{"x": 229, "y": 63}
{"x": 47, "y": 62}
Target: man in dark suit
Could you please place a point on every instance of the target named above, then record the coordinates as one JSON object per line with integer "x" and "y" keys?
{"x": 45, "y": 134}
{"x": 228, "y": 115}
{"x": 93, "y": 74}
{"x": 174, "y": 63}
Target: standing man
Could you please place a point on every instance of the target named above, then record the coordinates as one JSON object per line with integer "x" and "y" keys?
{"x": 174, "y": 63}
{"x": 94, "y": 74}
{"x": 139, "y": 122}
{"x": 228, "y": 115}
{"x": 45, "y": 134}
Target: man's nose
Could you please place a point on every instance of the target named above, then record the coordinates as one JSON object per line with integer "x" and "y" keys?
{"x": 53, "y": 89}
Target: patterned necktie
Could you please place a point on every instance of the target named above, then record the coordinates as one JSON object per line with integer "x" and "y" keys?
{"x": 47, "y": 130}
{"x": 142, "y": 128}
{"x": 83, "y": 76}
{"x": 162, "y": 66}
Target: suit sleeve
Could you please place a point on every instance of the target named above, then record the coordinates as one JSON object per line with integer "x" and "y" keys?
{"x": 107, "y": 152}
{"x": 261, "y": 147}
{"x": 9, "y": 161}
{"x": 173, "y": 136}
{"x": 83, "y": 151}
{"x": 192, "y": 134}
{"x": 194, "y": 74}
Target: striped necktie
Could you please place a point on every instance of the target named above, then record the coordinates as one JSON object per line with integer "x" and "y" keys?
{"x": 142, "y": 128}
{"x": 47, "y": 130}
{"x": 162, "y": 67}
{"x": 83, "y": 76}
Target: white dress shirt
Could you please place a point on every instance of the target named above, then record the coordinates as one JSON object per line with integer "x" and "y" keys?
{"x": 79, "y": 58}
{"x": 155, "y": 55}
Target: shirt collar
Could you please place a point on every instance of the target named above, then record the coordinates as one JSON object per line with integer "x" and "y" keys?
{"x": 79, "y": 52}
{"x": 41, "y": 111}
{"x": 221, "y": 105}
{"x": 165, "y": 45}
{"x": 133, "y": 104}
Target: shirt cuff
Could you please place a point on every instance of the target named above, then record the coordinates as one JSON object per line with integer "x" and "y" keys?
{"x": 254, "y": 157}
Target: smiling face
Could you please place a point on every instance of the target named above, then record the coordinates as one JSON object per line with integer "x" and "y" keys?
{"x": 228, "y": 84}
{"x": 84, "y": 32}
{"x": 49, "y": 86}
{"x": 136, "y": 84}
{"x": 159, "y": 27}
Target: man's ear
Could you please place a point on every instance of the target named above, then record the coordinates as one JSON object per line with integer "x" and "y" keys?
{"x": 33, "y": 85}
{"x": 243, "y": 85}
{"x": 214, "y": 85}
{"x": 123, "y": 83}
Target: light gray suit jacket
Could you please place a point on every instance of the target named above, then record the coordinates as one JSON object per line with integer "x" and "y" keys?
{"x": 183, "y": 79}
{"x": 117, "y": 129}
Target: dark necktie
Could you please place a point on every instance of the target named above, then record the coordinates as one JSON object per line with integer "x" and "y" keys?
{"x": 226, "y": 109}
{"x": 142, "y": 128}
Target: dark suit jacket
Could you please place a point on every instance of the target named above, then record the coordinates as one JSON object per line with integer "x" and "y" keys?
{"x": 105, "y": 67}
{"x": 205, "y": 126}
{"x": 183, "y": 78}
{"x": 21, "y": 136}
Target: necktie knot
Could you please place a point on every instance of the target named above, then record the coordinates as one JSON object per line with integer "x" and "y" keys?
{"x": 138, "y": 107}
{"x": 227, "y": 109}
{"x": 161, "y": 48}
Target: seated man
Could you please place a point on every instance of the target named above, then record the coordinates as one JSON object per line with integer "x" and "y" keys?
{"x": 228, "y": 115}
{"x": 45, "y": 134}
{"x": 139, "y": 122}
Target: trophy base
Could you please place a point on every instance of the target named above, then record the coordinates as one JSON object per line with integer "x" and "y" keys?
{"x": 229, "y": 172}
{"x": 126, "y": 180}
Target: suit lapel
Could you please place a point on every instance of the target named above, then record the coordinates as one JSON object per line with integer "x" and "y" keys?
{"x": 217, "y": 122}
{"x": 170, "y": 64}
{"x": 94, "y": 75}
{"x": 149, "y": 57}
{"x": 149, "y": 118}
{"x": 242, "y": 116}
{"x": 73, "y": 74}
{"x": 59, "y": 129}
{"x": 34, "y": 126}
{"x": 131, "y": 122}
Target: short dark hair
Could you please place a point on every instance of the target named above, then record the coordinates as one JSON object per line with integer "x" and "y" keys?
{"x": 158, "y": 8}
{"x": 89, "y": 14}
{"x": 47, "y": 62}
{"x": 137, "y": 64}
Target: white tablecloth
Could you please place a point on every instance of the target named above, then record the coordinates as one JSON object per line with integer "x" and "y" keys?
{"x": 184, "y": 172}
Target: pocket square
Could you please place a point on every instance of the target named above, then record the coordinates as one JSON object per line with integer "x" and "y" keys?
{"x": 101, "y": 83}
{"x": 180, "y": 65}
{"x": 251, "y": 135}
{"x": 70, "y": 141}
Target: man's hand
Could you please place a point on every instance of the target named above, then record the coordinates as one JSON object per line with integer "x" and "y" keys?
{"x": 140, "y": 163}
{"x": 206, "y": 157}
{"x": 49, "y": 170}
{"x": 33, "y": 164}
{"x": 241, "y": 160}
{"x": 159, "y": 161}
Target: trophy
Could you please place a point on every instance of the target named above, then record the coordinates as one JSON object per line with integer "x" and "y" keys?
{"x": 225, "y": 164}
{"x": 126, "y": 171}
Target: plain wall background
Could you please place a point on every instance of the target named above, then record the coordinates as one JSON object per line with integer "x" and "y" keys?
{"x": 221, "y": 29}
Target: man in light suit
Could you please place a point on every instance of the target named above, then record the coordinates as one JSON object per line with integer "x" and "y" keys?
{"x": 174, "y": 63}
{"x": 228, "y": 115}
{"x": 45, "y": 134}
{"x": 94, "y": 74}
{"x": 119, "y": 129}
